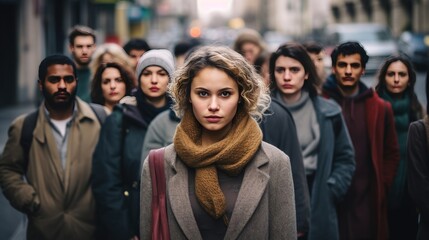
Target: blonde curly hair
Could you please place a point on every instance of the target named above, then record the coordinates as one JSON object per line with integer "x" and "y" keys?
{"x": 254, "y": 95}
{"x": 118, "y": 55}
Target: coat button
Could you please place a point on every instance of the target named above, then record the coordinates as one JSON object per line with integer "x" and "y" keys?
{"x": 126, "y": 193}
{"x": 135, "y": 184}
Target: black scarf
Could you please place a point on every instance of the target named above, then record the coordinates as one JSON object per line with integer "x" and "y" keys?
{"x": 147, "y": 110}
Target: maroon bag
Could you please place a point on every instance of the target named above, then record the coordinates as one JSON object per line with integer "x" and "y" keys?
{"x": 160, "y": 229}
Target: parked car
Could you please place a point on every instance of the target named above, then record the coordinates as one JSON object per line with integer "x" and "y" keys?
{"x": 416, "y": 46}
{"x": 375, "y": 38}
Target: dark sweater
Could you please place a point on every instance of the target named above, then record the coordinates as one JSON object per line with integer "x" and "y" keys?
{"x": 83, "y": 86}
{"x": 356, "y": 212}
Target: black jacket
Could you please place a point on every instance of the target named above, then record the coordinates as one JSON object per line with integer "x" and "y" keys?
{"x": 116, "y": 173}
{"x": 279, "y": 130}
{"x": 418, "y": 173}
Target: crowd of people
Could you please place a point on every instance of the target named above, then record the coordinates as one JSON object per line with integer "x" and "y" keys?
{"x": 257, "y": 144}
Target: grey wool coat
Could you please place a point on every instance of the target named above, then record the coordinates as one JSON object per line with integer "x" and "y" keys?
{"x": 264, "y": 209}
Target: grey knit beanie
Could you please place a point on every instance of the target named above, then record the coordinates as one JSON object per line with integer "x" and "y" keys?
{"x": 156, "y": 57}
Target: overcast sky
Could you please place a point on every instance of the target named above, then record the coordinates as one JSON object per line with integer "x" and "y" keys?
{"x": 208, "y": 7}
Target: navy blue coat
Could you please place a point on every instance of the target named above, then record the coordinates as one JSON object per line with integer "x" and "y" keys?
{"x": 116, "y": 173}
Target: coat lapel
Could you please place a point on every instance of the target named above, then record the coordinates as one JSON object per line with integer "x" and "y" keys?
{"x": 78, "y": 140}
{"x": 180, "y": 203}
{"x": 73, "y": 146}
{"x": 252, "y": 189}
{"x": 45, "y": 139}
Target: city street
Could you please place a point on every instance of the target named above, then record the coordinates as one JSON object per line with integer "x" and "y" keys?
{"x": 13, "y": 222}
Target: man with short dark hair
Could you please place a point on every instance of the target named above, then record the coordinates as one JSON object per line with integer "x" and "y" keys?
{"x": 135, "y": 48}
{"x": 369, "y": 119}
{"x": 56, "y": 193}
{"x": 82, "y": 44}
{"x": 317, "y": 55}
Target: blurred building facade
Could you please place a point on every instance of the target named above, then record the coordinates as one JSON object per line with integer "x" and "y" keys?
{"x": 36, "y": 28}
{"x": 289, "y": 17}
{"x": 399, "y": 15}
{"x": 306, "y": 17}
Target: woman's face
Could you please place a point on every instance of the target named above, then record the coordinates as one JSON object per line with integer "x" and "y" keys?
{"x": 154, "y": 81}
{"x": 397, "y": 77}
{"x": 265, "y": 73}
{"x": 214, "y": 97}
{"x": 290, "y": 76}
{"x": 250, "y": 51}
{"x": 106, "y": 58}
{"x": 112, "y": 86}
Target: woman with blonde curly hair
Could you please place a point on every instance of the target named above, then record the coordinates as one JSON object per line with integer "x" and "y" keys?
{"x": 111, "y": 52}
{"x": 223, "y": 181}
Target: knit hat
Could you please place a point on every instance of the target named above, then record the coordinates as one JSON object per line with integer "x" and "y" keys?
{"x": 248, "y": 36}
{"x": 156, "y": 57}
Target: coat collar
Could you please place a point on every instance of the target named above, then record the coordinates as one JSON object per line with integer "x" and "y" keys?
{"x": 45, "y": 137}
{"x": 327, "y": 107}
{"x": 83, "y": 113}
{"x": 254, "y": 183}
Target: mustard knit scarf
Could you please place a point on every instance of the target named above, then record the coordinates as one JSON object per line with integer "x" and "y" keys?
{"x": 230, "y": 155}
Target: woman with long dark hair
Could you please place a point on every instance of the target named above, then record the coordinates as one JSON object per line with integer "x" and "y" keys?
{"x": 396, "y": 80}
{"x": 111, "y": 83}
{"x": 326, "y": 147}
{"x": 117, "y": 157}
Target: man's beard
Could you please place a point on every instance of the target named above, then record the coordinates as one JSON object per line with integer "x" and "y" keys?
{"x": 79, "y": 62}
{"x": 59, "y": 106}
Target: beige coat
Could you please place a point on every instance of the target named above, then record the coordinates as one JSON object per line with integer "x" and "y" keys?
{"x": 265, "y": 206}
{"x": 66, "y": 204}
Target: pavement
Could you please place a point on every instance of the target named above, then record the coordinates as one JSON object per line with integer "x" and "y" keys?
{"x": 13, "y": 223}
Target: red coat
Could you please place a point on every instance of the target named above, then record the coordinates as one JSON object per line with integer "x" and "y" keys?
{"x": 384, "y": 153}
{"x": 384, "y": 147}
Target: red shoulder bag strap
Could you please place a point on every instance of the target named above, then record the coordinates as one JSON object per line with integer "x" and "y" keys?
{"x": 160, "y": 229}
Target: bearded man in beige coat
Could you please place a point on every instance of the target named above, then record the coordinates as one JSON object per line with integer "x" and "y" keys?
{"x": 51, "y": 183}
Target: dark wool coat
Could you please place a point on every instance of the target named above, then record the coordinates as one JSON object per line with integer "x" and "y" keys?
{"x": 116, "y": 173}
{"x": 418, "y": 174}
{"x": 279, "y": 130}
{"x": 335, "y": 168}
